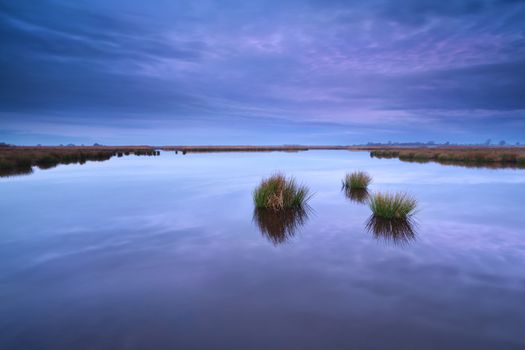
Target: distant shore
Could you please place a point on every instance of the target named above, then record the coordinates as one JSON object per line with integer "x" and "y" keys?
{"x": 248, "y": 148}
{"x": 17, "y": 160}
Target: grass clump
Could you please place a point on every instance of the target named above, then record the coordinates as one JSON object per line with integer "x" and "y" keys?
{"x": 392, "y": 206}
{"x": 358, "y": 180}
{"x": 278, "y": 192}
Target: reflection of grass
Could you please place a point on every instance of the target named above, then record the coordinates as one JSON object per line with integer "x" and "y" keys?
{"x": 357, "y": 180}
{"x": 15, "y": 171}
{"x": 398, "y": 231}
{"x": 279, "y": 225}
{"x": 356, "y": 195}
{"x": 392, "y": 206}
{"x": 278, "y": 192}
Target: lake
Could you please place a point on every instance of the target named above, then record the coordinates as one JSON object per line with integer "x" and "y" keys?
{"x": 167, "y": 253}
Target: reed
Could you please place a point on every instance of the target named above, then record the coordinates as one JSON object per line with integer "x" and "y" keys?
{"x": 20, "y": 160}
{"x": 475, "y": 157}
{"x": 279, "y": 192}
{"x": 358, "y": 180}
{"x": 392, "y": 206}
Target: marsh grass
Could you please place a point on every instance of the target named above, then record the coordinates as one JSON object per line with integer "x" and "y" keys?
{"x": 358, "y": 180}
{"x": 280, "y": 225}
{"x": 392, "y": 206}
{"x": 468, "y": 156}
{"x": 20, "y": 160}
{"x": 279, "y": 192}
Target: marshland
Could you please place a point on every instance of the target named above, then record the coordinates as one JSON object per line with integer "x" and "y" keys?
{"x": 466, "y": 156}
{"x": 112, "y": 246}
{"x": 19, "y": 160}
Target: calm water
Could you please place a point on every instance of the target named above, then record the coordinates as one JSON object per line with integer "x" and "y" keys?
{"x": 165, "y": 252}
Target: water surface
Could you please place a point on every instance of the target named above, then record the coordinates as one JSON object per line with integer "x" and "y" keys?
{"x": 167, "y": 252}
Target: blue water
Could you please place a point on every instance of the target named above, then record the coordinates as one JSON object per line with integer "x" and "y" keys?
{"x": 164, "y": 253}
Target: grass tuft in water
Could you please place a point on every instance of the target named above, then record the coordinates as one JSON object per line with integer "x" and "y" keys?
{"x": 358, "y": 180}
{"x": 279, "y": 192}
{"x": 392, "y": 206}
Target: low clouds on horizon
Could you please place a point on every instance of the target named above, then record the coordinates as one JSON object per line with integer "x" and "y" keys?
{"x": 314, "y": 71}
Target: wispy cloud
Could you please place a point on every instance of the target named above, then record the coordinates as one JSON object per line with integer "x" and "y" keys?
{"x": 405, "y": 65}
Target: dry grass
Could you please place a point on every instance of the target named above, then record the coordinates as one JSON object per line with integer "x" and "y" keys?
{"x": 490, "y": 157}
{"x": 21, "y": 160}
{"x": 282, "y": 148}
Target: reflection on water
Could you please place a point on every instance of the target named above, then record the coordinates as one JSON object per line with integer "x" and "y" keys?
{"x": 168, "y": 253}
{"x": 464, "y": 164}
{"x": 396, "y": 231}
{"x": 477, "y": 165}
{"x": 14, "y": 161}
{"x": 16, "y": 171}
{"x": 356, "y": 195}
{"x": 280, "y": 225}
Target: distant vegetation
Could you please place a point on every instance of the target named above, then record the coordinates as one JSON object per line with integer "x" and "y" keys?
{"x": 15, "y": 160}
{"x": 21, "y": 160}
{"x": 358, "y": 180}
{"x": 392, "y": 206}
{"x": 210, "y": 149}
{"x": 490, "y": 157}
{"x": 278, "y": 192}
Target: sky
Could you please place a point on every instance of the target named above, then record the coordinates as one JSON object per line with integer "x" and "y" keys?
{"x": 163, "y": 72}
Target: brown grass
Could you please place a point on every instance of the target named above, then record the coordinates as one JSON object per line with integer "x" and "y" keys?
{"x": 469, "y": 156}
{"x": 21, "y": 160}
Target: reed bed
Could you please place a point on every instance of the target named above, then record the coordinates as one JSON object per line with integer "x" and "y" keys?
{"x": 20, "y": 160}
{"x": 491, "y": 157}
{"x": 392, "y": 206}
{"x": 358, "y": 180}
{"x": 279, "y": 192}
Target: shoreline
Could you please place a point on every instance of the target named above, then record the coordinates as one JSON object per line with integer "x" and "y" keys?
{"x": 266, "y": 147}
{"x": 19, "y": 160}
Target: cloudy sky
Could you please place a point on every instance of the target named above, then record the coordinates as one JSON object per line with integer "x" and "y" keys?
{"x": 261, "y": 72}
